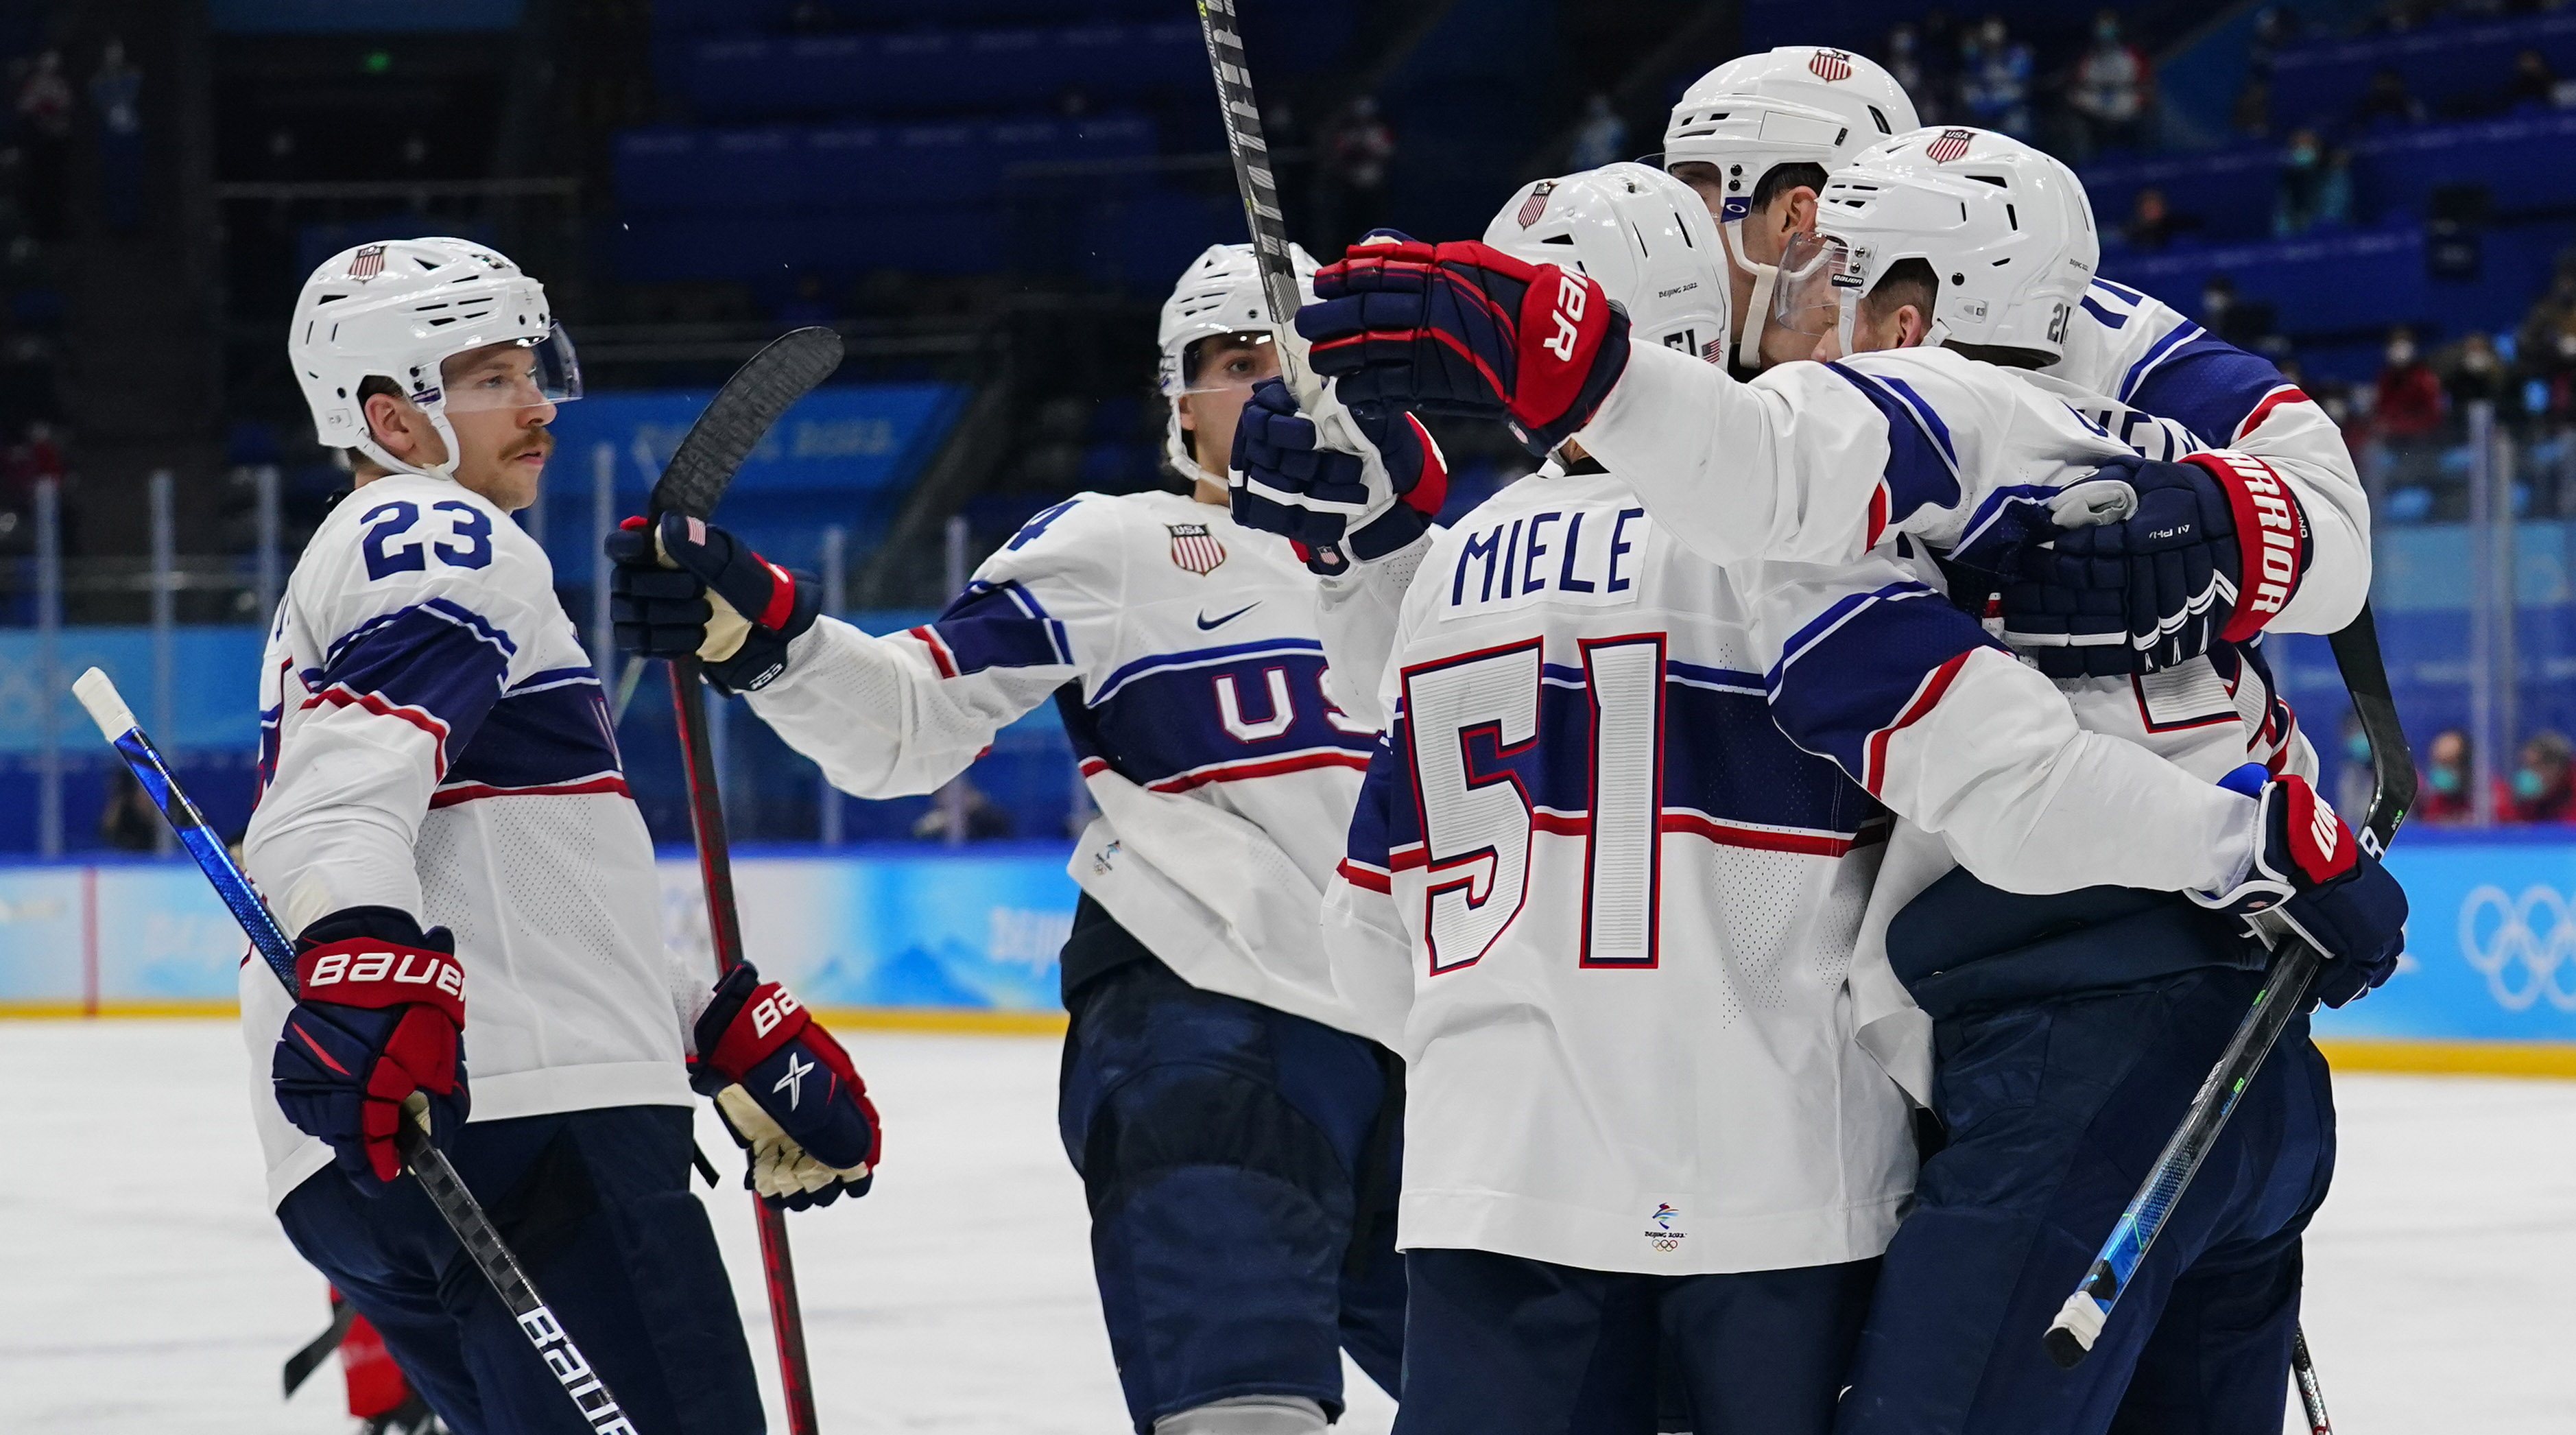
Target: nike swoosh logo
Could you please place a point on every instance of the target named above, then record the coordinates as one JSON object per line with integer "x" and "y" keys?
{"x": 1205, "y": 623}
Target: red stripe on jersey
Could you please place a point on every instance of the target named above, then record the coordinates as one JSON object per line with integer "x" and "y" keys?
{"x": 339, "y": 696}
{"x": 2285, "y": 394}
{"x": 1270, "y": 767}
{"x": 609, "y": 784}
{"x": 1728, "y": 834}
{"x": 1368, "y": 877}
{"x": 1404, "y": 858}
{"x": 940, "y": 657}
{"x": 1925, "y": 698}
{"x": 1877, "y": 514}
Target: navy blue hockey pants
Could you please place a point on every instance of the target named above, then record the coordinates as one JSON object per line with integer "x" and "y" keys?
{"x": 597, "y": 1206}
{"x": 2055, "y": 1111}
{"x": 1505, "y": 1345}
{"x": 1241, "y": 1181}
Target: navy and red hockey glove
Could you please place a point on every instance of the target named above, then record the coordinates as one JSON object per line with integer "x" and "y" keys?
{"x": 2312, "y": 874}
{"x": 1465, "y": 328}
{"x": 787, "y": 1092}
{"x": 2215, "y": 549}
{"x": 700, "y": 590}
{"x": 380, "y": 1007}
{"x": 1335, "y": 506}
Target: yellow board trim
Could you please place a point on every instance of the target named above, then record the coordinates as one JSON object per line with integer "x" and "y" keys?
{"x": 956, "y": 1019}
{"x": 2459, "y": 1058}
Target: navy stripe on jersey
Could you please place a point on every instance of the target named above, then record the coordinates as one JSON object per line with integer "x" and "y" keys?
{"x": 2205, "y": 384}
{"x": 994, "y": 625}
{"x": 1221, "y": 715}
{"x": 1728, "y": 775}
{"x": 1866, "y": 668}
{"x": 434, "y": 665}
{"x": 1922, "y": 463}
{"x": 1200, "y": 658}
{"x": 547, "y": 736}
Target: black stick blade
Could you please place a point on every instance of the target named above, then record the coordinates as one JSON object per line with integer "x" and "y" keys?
{"x": 744, "y": 409}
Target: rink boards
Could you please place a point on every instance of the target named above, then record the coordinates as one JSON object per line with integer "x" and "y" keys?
{"x": 927, "y": 938}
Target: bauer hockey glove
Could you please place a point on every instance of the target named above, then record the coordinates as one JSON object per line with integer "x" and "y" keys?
{"x": 787, "y": 1092}
{"x": 1335, "y": 506}
{"x": 379, "y": 1010}
{"x": 2310, "y": 873}
{"x": 688, "y": 587}
{"x": 1465, "y": 328}
{"x": 2216, "y": 547}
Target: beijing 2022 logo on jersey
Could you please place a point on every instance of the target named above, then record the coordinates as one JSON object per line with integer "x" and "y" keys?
{"x": 1659, "y": 1228}
{"x": 2524, "y": 946}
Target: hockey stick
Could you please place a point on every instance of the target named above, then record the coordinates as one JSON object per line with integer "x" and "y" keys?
{"x": 2070, "y": 1337}
{"x": 696, "y": 477}
{"x": 474, "y": 1230}
{"x": 301, "y": 1365}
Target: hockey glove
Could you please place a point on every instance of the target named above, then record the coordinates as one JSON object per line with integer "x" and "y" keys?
{"x": 2215, "y": 549}
{"x": 1465, "y": 328}
{"x": 2310, "y": 874}
{"x": 689, "y": 587}
{"x": 379, "y": 1010}
{"x": 1335, "y": 506}
{"x": 787, "y": 1093}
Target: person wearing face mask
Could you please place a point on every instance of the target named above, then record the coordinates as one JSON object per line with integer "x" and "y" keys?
{"x": 2111, "y": 93}
{"x": 2542, "y": 790}
{"x": 1994, "y": 78}
{"x": 2407, "y": 406}
{"x": 2443, "y": 793}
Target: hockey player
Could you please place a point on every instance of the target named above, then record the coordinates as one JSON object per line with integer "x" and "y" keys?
{"x": 1758, "y": 138}
{"x": 444, "y": 823}
{"x": 1227, "y": 1107}
{"x": 1853, "y": 476}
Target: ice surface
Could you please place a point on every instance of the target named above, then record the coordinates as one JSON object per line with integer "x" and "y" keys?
{"x": 144, "y": 1287}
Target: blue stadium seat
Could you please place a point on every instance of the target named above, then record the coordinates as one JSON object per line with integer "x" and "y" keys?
{"x": 843, "y": 167}
{"x": 2450, "y": 59}
{"x": 939, "y": 71}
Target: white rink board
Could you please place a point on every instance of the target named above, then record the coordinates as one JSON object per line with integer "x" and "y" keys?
{"x": 149, "y": 1293}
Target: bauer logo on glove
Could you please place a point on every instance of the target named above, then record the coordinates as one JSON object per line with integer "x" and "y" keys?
{"x": 787, "y": 1093}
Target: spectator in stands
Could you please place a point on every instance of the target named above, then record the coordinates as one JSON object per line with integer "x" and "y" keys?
{"x": 2152, "y": 223}
{"x": 1994, "y": 78}
{"x": 1601, "y": 138}
{"x": 2112, "y": 90}
{"x": 2474, "y": 373}
{"x": 2353, "y": 779}
{"x": 2442, "y": 790}
{"x": 45, "y": 135}
{"x": 2387, "y": 102}
{"x": 2315, "y": 186}
{"x": 2407, "y": 400}
{"x": 130, "y": 821}
{"x": 2247, "y": 326}
{"x": 1905, "y": 56}
{"x": 2542, "y": 789}
{"x": 116, "y": 93}
{"x": 1358, "y": 151}
{"x": 960, "y": 800}
{"x": 2534, "y": 84}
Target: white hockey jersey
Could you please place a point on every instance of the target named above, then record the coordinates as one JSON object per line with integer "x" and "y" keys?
{"x": 1616, "y": 909}
{"x": 433, "y": 739}
{"x": 1183, "y": 653}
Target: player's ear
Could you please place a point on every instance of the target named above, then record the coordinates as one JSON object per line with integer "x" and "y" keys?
{"x": 1181, "y": 407}
{"x": 391, "y": 422}
{"x": 1797, "y": 210}
{"x": 1911, "y": 326}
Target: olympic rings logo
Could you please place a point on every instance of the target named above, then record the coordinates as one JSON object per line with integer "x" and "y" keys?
{"x": 2524, "y": 946}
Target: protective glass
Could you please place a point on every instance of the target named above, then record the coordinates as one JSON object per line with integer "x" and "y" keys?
{"x": 1209, "y": 372}
{"x": 522, "y": 374}
{"x": 1816, "y": 281}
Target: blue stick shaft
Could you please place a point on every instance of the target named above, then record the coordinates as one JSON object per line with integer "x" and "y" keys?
{"x": 213, "y": 858}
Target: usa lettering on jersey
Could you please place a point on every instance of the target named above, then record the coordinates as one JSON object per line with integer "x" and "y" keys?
{"x": 1586, "y": 554}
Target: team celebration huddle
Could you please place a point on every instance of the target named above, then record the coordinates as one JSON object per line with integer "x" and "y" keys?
{"x": 1714, "y": 939}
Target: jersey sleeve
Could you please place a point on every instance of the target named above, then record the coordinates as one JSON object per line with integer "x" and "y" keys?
{"x": 1820, "y": 463}
{"x": 900, "y": 714}
{"x": 416, "y": 643}
{"x": 2169, "y": 366}
{"x": 1878, "y": 672}
{"x": 1355, "y": 616}
{"x": 1366, "y": 939}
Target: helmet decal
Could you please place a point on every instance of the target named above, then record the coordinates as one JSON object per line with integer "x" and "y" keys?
{"x": 367, "y": 263}
{"x": 1536, "y": 204}
{"x": 1830, "y": 65}
{"x": 1948, "y": 145}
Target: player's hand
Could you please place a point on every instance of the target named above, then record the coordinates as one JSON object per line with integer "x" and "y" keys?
{"x": 1466, "y": 328}
{"x": 2310, "y": 873}
{"x": 379, "y": 1010}
{"x": 1335, "y": 505}
{"x": 787, "y": 1092}
{"x": 2217, "y": 545}
{"x": 688, "y": 587}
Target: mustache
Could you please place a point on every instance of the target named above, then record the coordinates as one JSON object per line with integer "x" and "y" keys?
{"x": 542, "y": 445}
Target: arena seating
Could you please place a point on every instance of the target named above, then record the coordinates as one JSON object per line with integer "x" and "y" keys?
{"x": 2453, "y": 64}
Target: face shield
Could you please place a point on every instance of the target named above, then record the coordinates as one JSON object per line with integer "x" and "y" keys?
{"x": 1229, "y": 363}
{"x": 514, "y": 374}
{"x": 1816, "y": 295}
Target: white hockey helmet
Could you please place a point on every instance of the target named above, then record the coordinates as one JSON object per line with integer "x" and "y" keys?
{"x": 2007, "y": 230}
{"x": 1220, "y": 293}
{"x": 395, "y": 310}
{"x": 1643, "y": 235}
{"x": 1798, "y": 104}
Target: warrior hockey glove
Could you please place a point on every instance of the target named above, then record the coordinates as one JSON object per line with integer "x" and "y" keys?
{"x": 787, "y": 1093}
{"x": 2215, "y": 549}
{"x": 379, "y": 1009}
{"x": 690, "y": 587}
{"x": 1333, "y": 505}
{"x": 2311, "y": 874}
{"x": 1465, "y": 328}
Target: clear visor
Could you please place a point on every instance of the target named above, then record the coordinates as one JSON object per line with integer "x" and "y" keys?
{"x": 1229, "y": 363}
{"x": 515, "y": 374}
{"x": 1816, "y": 281}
